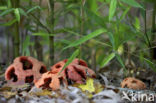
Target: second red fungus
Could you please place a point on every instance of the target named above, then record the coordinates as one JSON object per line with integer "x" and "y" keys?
{"x": 76, "y": 71}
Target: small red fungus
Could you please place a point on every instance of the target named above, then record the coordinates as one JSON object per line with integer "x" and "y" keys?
{"x": 25, "y": 69}
{"x": 133, "y": 83}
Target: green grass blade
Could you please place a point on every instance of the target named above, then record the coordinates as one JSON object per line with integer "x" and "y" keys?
{"x": 25, "y": 44}
{"x": 69, "y": 31}
{"x": 42, "y": 34}
{"x": 98, "y": 19}
{"x": 9, "y": 23}
{"x": 9, "y": 3}
{"x": 124, "y": 14}
{"x": 112, "y": 9}
{"x": 107, "y": 59}
{"x": 102, "y": 43}
{"x": 33, "y": 9}
{"x": 17, "y": 14}
{"x": 132, "y": 3}
{"x": 73, "y": 56}
{"x": 22, "y": 12}
{"x": 3, "y": 7}
{"x": 151, "y": 64}
{"x": 7, "y": 11}
{"x": 93, "y": 5}
{"x": 112, "y": 40}
{"x": 120, "y": 61}
{"x": 65, "y": 41}
{"x": 85, "y": 38}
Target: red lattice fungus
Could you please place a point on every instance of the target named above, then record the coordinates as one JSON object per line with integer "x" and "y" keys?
{"x": 50, "y": 80}
{"x": 133, "y": 83}
{"x": 25, "y": 69}
{"x": 76, "y": 71}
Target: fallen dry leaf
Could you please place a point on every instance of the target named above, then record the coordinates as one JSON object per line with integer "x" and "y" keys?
{"x": 8, "y": 94}
{"x": 98, "y": 87}
{"x": 16, "y": 87}
{"x": 43, "y": 92}
{"x": 5, "y": 88}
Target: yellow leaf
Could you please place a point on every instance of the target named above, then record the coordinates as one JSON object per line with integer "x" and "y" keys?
{"x": 89, "y": 86}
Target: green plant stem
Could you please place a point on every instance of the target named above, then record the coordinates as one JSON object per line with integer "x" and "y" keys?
{"x": 147, "y": 38}
{"x": 93, "y": 59}
{"x": 8, "y": 49}
{"x": 38, "y": 46}
{"x": 1, "y": 55}
{"x": 82, "y": 24}
{"x": 153, "y": 31}
{"x": 153, "y": 17}
{"x": 51, "y": 38}
{"x": 16, "y": 42}
{"x": 149, "y": 44}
